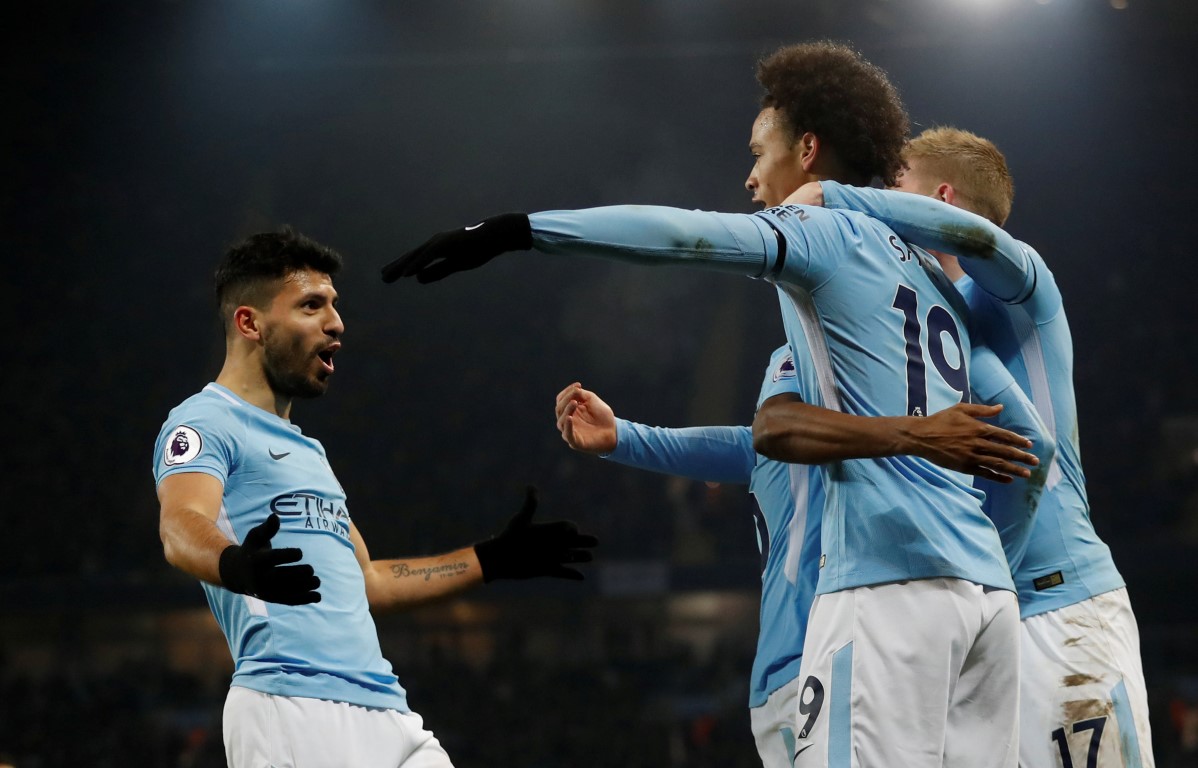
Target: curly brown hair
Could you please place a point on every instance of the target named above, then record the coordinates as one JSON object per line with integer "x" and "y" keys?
{"x": 829, "y": 89}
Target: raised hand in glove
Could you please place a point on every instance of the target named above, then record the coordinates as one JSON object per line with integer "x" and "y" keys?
{"x": 526, "y": 550}
{"x": 461, "y": 249}
{"x": 257, "y": 569}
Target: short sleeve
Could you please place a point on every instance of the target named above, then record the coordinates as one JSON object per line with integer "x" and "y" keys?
{"x": 197, "y": 439}
{"x": 781, "y": 376}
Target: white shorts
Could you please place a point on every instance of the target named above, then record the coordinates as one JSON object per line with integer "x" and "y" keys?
{"x": 773, "y": 726}
{"x": 1084, "y": 703}
{"x": 265, "y": 731}
{"x": 910, "y": 674}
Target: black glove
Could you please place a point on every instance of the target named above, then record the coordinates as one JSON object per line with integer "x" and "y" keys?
{"x": 526, "y": 550}
{"x": 257, "y": 569}
{"x": 460, "y": 249}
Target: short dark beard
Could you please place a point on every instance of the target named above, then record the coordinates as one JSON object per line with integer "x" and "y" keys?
{"x": 284, "y": 364}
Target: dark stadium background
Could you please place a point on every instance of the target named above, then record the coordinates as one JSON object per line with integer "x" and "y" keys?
{"x": 143, "y": 137}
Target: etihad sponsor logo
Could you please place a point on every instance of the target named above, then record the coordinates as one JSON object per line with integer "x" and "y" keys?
{"x": 318, "y": 513}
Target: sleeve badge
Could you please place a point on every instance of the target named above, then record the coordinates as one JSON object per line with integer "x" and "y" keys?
{"x": 184, "y": 445}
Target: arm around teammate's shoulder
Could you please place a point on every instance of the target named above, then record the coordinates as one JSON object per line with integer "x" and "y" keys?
{"x": 996, "y": 261}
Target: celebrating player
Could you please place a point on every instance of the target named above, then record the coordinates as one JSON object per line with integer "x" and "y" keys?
{"x": 789, "y": 501}
{"x": 913, "y": 638}
{"x": 790, "y": 497}
{"x": 245, "y": 496}
{"x": 1082, "y": 695}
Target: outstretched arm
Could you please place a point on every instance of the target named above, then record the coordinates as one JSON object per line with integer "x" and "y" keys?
{"x": 522, "y": 550}
{"x": 647, "y": 235}
{"x": 788, "y": 429}
{"x": 708, "y": 454}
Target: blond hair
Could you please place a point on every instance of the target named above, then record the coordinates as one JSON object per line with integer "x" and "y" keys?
{"x": 973, "y": 165}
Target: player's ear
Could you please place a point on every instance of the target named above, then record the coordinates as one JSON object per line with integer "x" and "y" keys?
{"x": 808, "y": 146}
{"x": 946, "y": 193}
{"x": 247, "y": 323}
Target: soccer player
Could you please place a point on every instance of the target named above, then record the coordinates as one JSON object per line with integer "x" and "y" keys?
{"x": 789, "y": 499}
{"x": 1082, "y": 695}
{"x": 789, "y": 496}
{"x": 245, "y": 496}
{"x": 913, "y": 639}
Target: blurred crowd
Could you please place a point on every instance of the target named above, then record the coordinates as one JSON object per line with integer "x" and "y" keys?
{"x": 637, "y": 709}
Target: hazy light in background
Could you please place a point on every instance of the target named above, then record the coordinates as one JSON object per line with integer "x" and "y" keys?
{"x": 1118, "y": 5}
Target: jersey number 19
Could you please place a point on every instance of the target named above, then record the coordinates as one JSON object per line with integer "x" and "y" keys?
{"x": 939, "y": 323}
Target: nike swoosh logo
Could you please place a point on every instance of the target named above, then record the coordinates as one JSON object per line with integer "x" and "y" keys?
{"x": 476, "y": 226}
{"x": 277, "y": 456}
{"x": 799, "y": 752}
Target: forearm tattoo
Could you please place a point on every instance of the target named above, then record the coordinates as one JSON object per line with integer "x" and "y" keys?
{"x": 426, "y": 572}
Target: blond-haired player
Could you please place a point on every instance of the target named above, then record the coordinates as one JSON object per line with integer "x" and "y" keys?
{"x": 1082, "y": 695}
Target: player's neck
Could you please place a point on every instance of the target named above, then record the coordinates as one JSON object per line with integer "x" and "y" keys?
{"x": 246, "y": 379}
{"x": 829, "y": 168}
{"x": 950, "y": 265}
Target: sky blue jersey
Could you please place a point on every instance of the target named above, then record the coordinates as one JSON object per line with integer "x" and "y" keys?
{"x": 895, "y": 344}
{"x": 326, "y": 650}
{"x": 1017, "y": 309}
{"x": 1013, "y": 506}
{"x": 789, "y": 502}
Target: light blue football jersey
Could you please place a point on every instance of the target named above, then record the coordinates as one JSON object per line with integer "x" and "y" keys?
{"x": 895, "y": 344}
{"x": 1013, "y": 506}
{"x": 327, "y": 650}
{"x": 1017, "y": 309}
{"x": 789, "y": 501}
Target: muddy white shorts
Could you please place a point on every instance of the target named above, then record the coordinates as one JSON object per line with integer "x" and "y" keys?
{"x": 1083, "y": 701}
{"x": 265, "y": 731}
{"x": 914, "y": 674}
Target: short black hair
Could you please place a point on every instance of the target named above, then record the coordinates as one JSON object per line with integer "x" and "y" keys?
{"x": 829, "y": 89}
{"x": 249, "y": 271}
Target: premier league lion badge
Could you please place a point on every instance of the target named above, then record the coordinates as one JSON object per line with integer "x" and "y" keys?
{"x": 184, "y": 445}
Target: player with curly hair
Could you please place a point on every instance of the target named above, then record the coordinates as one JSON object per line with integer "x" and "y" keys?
{"x": 828, "y": 90}
{"x": 913, "y": 638}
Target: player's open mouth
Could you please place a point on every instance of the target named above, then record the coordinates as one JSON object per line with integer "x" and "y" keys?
{"x": 326, "y": 356}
